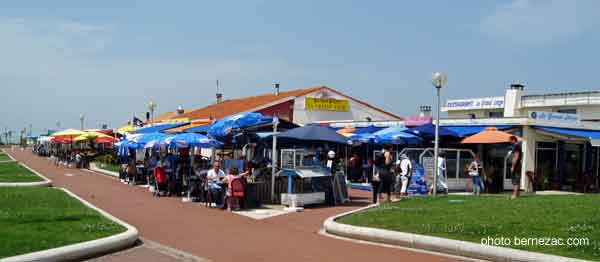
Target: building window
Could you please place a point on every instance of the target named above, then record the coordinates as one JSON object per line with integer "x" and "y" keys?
{"x": 496, "y": 114}
{"x": 471, "y": 116}
{"x": 567, "y": 111}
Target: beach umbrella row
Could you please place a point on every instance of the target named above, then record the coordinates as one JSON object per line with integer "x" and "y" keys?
{"x": 183, "y": 140}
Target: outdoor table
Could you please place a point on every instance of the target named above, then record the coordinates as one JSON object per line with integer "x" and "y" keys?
{"x": 251, "y": 195}
{"x": 140, "y": 174}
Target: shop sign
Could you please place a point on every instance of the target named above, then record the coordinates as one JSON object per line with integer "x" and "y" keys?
{"x": 555, "y": 117}
{"x": 475, "y": 103}
{"x": 176, "y": 120}
{"x": 417, "y": 120}
{"x": 326, "y": 104}
{"x": 367, "y": 123}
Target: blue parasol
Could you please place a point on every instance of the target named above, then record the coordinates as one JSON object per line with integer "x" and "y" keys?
{"x": 314, "y": 133}
{"x": 191, "y": 140}
{"x": 428, "y": 131}
{"x": 398, "y": 138}
{"x": 226, "y": 125}
{"x": 391, "y": 135}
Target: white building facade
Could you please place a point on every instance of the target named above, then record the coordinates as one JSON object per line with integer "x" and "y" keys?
{"x": 560, "y": 134}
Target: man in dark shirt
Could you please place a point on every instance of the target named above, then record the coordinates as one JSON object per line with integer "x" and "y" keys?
{"x": 517, "y": 156}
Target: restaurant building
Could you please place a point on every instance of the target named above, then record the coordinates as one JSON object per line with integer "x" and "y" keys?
{"x": 560, "y": 132}
{"x": 300, "y": 106}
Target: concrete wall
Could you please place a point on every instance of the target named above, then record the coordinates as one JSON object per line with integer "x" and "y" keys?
{"x": 528, "y": 164}
{"x": 466, "y": 113}
{"x": 512, "y": 102}
{"x": 284, "y": 110}
{"x": 590, "y": 112}
{"x": 357, "y": 112}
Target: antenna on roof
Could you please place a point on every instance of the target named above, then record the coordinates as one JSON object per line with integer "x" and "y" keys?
{"x": 219, "y": 94}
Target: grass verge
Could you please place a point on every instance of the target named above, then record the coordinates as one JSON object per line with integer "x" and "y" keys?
{"x": 34, "y": 219}
{"x": 14, "y": 172}
{"x": 110, "y": 167}
{"x": 495, "y": 218}
{"x": 4, "y": 157}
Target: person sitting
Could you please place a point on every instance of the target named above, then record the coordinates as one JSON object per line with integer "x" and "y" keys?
{"x": 78, "y": 158}
{"x": 214, "y": 176}
{"x": 193, "y": 183}
{"x": 235, "y": 187}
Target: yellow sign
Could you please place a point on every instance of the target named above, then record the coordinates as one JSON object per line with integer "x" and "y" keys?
{"x": 326, "y": 104}
{"x": 176, "y": 120}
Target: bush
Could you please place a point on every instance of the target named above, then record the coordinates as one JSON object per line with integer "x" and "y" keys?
{"x": 108, "y": 158}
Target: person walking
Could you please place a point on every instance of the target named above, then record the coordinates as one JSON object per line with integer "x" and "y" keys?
{"x": 515, "y": 169}
{"x": 476, "y": 173}
{"x": 375, "y": 181}
{"x": 405, "y": 173}
{"x": 441, "y": 175}
{"x": 385, "y": 174}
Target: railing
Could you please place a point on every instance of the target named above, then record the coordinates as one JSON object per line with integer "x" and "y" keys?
{"x": 561, "y": 99}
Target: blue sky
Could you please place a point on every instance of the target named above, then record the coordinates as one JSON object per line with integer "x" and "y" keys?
{"x": 107, "y": 59}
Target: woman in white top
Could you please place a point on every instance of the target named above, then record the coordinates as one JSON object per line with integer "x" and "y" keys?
{"x": 476, "y": 171}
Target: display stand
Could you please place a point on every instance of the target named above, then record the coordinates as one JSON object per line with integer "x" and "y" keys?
{"x": 297, "y": 163}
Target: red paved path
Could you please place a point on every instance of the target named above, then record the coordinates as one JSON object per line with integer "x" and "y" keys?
{"x": 214, "y": 234}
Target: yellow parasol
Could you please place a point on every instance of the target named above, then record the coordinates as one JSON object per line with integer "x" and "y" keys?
{"x": 126, "y": 129}
{"x": 346, "y": 134}
{"x": 346, "y": 131}
{"x": 90, "y": 135}
{"x": 68, "y": 133}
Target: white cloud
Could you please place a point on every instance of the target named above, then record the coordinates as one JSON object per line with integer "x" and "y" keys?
{"x": 58, "y": 69}
{"x": 536, "y": 22}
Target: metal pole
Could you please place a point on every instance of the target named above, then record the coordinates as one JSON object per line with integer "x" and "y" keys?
{"x": 274, "y": 158}
{"x": 437, "y": 138}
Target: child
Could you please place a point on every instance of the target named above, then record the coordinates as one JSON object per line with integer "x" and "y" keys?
{"x": 232, "y": 175}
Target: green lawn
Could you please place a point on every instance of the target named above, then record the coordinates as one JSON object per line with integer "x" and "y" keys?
{"x": 109, "y": 167}
{"x": 4, "y": 157}
{"x": 34, "y": 219}
{"x": 14, "y": 172}
{"x": 475, "y": 218}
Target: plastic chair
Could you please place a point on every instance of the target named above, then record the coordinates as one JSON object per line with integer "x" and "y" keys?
{"x": 237, "y": 188}
{"x": 160, "y": 179}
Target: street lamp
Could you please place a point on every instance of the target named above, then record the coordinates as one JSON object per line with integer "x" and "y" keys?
{"x": 152, "y": 107}
{"x": 438, "y": 80}
{"x": 81, "y": 118}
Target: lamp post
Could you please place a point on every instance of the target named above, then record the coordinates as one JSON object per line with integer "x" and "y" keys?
{"x": 438, "y": 80}
{"x": 151, "y": 107}
{"x": 274, "y": 157}
{"x": 6, "y": 136}
{"x": 81, "y": 119}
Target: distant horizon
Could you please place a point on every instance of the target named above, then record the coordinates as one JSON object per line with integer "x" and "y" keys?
{"x": 108, "y": 59}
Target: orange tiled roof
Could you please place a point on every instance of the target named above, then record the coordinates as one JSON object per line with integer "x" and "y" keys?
{"x": 164, "y": 116}
{"x": 245, "y": 104}
{"x": 237, "y": 105}
{"x": 190, "y": 125}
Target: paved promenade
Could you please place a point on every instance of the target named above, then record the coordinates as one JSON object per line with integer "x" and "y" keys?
{"x": 213, "y": 234}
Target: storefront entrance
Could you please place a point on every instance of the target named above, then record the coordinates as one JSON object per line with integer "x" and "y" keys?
{"x": 546, "y": 165}
{"x": 559, "y": 165}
